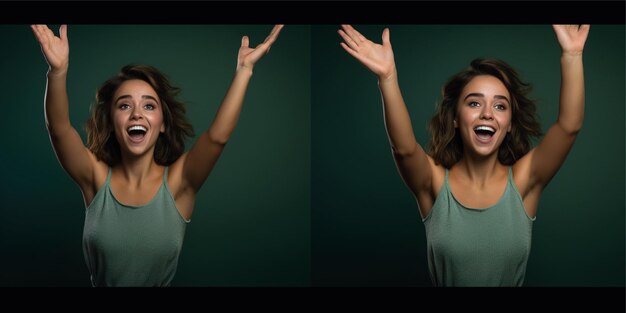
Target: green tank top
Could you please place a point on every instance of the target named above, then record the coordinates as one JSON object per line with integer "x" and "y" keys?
{"x": 478, "y": 247}
{"x": 132, "y": 245}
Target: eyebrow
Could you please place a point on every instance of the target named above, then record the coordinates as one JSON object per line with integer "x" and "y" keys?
{"x": 480, "y": 95}
{"x": 130, "y": 97}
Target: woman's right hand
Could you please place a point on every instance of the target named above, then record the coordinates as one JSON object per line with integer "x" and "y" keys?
{"x": 55, "y": 49}
{"x": 377, "y": 58}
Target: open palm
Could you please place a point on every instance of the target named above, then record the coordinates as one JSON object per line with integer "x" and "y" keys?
{"x": 571, "y": 37}
{"x": 248, "y": 57}
{"x": 377, "y": 58}
{"x": 55, "y": 49}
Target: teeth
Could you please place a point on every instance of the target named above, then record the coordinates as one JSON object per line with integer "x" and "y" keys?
{"x": 487, "y": 128}
{"x": 138, "y": 127}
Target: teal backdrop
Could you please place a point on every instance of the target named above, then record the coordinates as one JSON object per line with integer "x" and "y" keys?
{"x": 251, "y": 223}
{"x": 366, "y": 228}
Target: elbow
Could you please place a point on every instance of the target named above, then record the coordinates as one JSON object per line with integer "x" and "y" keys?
{"x": 571, "y": 129}
{"x": 218, "y": 139}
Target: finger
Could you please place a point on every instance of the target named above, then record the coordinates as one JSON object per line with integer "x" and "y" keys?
{"x": 35, "y": 31}
{"x": 350, "y": 51}
{"x": 46, "y": 33}
{"x": 39, "y": 33}
{"x": 271, "y": 38}
{"x": 386, "y": 39}
{"x": 348, "y": 30}
{"x": 245, "y": 41}
{"x": 356, "y": 33}
{"x": 348, "y": 40}
{"x": 63, "y": 32}
{"x": 584, "y": 29}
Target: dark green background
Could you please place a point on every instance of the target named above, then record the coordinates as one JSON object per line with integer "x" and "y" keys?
{"x": 366, "y": 228}
{"x": 251, "y": 223}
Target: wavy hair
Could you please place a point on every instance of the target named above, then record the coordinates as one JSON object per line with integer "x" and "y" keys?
{"x": 446, "y": 146}
{"x": 100, "y": 133}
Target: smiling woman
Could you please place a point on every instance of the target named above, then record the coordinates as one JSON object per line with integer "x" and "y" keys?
{"x": 132, "y": 92}
{"x": 139, "y": 186}
{"x": 478, "y": 187}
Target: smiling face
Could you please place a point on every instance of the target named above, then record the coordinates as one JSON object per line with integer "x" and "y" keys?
{"x": 483, "y": 115}
{"x": 137, "y": 117}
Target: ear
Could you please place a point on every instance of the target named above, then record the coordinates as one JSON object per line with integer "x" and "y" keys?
{"x": 455, "y": 124}
{"x": 510, "y": 127}
{"x": 163, "y": 127}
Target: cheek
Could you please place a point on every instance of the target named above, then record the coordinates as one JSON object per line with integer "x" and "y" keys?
{"x": 466, "y": 117}
{"x": 117, "y": 121}
{"x": 507, "y": 122}
{"x": 159, "y": 119}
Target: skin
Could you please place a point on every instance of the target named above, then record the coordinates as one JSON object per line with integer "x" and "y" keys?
{"x": 478, "y": 179}
{"x": 137, "y": 178}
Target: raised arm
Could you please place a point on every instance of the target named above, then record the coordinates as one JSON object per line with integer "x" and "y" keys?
{"x": 410, "y": 158}
{"x": 74, "y": 157}
{"x": 199, "y": 161}
{"x": 544, "y": 160}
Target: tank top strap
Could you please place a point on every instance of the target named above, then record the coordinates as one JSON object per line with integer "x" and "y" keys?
{"x": 165, "y": 175}
{"x": 108, "y": 181}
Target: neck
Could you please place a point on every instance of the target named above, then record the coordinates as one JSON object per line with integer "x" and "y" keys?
{"x": 478, "y": 170}
{"x": 136, "y": 169}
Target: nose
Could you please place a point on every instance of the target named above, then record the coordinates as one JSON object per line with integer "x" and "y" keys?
{"x": 135, "y": 114}
{"x": 486, "y": 113}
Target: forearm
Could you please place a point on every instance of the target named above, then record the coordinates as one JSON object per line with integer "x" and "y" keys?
{"x": 572, "y": 99}
{"x": 397, "y": 119}
{"x": 56, "y": 103}
{"x": 228, "y": 114}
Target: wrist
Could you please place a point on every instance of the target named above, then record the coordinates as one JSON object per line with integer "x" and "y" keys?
{"x": 57, "y": 72}
{"x": 571, "y": 54}
{"x": 387, "y": 79}
{"x": 245, "y": 70}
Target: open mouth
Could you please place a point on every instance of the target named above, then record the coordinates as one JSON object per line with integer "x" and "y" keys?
{"x": 137, "y": 133}
{"x": 484, "y": 132}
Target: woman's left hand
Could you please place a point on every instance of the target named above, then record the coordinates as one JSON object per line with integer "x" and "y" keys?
{"x": 571, "y": 38}
{"x": 248, "y": 57}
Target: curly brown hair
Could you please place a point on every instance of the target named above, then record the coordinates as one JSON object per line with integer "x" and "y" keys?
{"x": 100, "y": 134}
{"x": 446, "y": 146}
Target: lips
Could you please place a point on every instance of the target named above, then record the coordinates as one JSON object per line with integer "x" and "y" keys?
{"x": 136, "y": 133}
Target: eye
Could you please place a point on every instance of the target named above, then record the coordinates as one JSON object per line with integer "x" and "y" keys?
{"x": 149, "y": 107}
{"x": 124, "y": 106}
{"x": 474, "y": 104}
{"x": 500, "y": 107}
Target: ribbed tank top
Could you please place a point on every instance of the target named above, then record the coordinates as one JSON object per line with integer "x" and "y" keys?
{"x": 478, "y": 247}
{"x": 128, "y": 245}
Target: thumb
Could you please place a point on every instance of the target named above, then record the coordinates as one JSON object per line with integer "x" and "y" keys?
{"x": 245, "y": 41}
{"x": 386, "y": 40}
{"x": 63, "y": 32}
